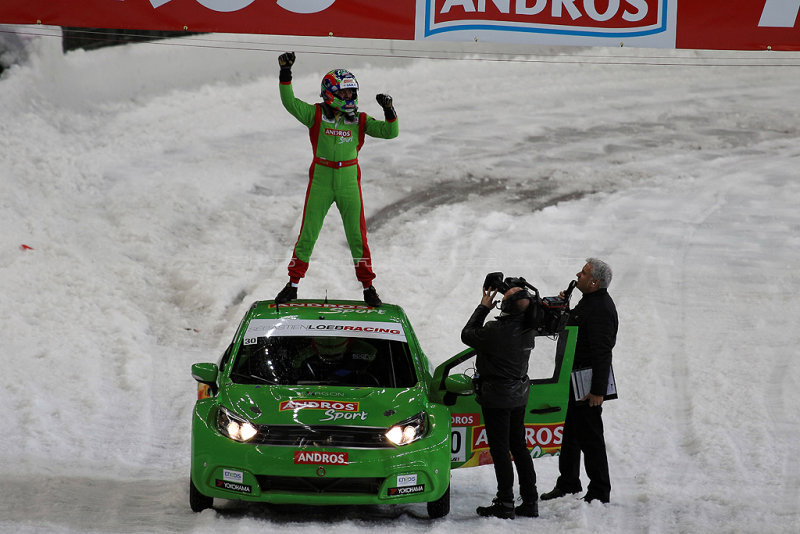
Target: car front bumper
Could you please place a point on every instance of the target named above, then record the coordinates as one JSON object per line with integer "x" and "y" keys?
{"x": 227, "y": 469}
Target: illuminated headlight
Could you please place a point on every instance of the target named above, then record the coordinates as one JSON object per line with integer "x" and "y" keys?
{"x": 235, "y": 427}
{"x": 410, "y": 430}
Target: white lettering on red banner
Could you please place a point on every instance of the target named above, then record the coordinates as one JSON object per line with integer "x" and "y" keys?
{"x": 779, "y": 14}
{"x": 698, "y": 24}
{"x": 229, "y": 6}
{"x": 314, "y": 404}
{"x": 320, "y": 458}
{"x": 222, "y": 6}
{"x": 739, "y": 25}
{"x": 338, "y": 133}
{"x": 605, "y": 18}
{"x": 305, "y": 6}
{"x": 544, "y": 436}
{"x": 465, "y": 419}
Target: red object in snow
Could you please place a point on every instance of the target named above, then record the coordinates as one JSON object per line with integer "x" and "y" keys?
{"x": 25, "y": 247}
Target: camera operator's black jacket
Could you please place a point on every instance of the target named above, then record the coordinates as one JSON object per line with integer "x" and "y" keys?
{"x": 597, "y": 322}
{"x": 503, "y": 346}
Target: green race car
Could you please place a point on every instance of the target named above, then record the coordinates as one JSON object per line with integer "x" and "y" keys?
{"x": 334, "y": 402}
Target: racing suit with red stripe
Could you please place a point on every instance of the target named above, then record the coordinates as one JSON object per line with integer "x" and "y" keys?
{"x": 334, "y": 176}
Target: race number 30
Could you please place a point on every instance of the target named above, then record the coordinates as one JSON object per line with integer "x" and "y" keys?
{"x": 458, "y": 444}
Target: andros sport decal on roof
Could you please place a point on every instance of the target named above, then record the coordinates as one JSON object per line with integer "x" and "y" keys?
{"x": 306, "y": 327}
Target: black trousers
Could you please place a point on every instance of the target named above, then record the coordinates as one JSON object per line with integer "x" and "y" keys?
{"x": 583, "y": 433}
{"x": 505, "y": 431}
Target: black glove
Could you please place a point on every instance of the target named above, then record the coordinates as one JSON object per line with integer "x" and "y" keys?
{"x": 286, "y": 60}
{"x": 385, "y": 102}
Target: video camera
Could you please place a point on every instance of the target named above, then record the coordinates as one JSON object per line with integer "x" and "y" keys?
{"x": 546, "y": 315}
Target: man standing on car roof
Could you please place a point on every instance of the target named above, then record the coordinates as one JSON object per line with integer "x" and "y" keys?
{"x": 502, "y": 387}
{"x": 337, "y": 131}
{"x": 597, "y": 322}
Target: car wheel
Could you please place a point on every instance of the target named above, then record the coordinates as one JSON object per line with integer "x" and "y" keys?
{"x": 197, "y": 500}
{"x": 441, "y": 506}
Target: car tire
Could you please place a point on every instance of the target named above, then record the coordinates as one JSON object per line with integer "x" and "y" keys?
{"x": 197, "y": 501}
{"x": 441, "y": 506}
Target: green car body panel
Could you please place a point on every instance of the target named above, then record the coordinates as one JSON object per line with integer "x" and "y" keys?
{"x": 314, "y": 441}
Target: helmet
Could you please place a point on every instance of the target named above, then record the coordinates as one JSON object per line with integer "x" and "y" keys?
{"x": 335, "y": 80}
{"x": 330, "y": 349}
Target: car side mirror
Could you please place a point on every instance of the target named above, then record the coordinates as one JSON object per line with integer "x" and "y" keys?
{"x": 206, "y": 373}
{"x": 460, "y": 384}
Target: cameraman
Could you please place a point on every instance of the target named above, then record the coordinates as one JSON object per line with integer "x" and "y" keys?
{"x": 597, "y": 322}
{"x": 502, "y": 386}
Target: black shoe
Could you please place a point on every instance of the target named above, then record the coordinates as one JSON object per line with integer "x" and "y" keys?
{"x": 528, "y": 509}
{"x": 556, "y": 493}
{"x": 590, "y": 497}
{"x": 289, "y": 292}
{"x": 371, "y": 297}
{"x": 503, "y": 510}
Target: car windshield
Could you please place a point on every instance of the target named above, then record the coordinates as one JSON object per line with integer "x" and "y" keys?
{"x": 327, "y": 360}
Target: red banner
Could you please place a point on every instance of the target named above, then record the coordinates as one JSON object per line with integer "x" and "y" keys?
{"x": 713, "y": 24}
{"x": 739, "y": 24}
{"x": 341, "y": 18}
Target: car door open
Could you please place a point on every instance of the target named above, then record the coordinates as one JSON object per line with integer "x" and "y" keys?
{"x": 549, "y": 369}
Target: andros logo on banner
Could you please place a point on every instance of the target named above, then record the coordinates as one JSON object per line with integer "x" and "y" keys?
{"x": 600, "y": 18}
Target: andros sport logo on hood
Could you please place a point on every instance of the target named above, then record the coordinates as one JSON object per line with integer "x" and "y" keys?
{"x": 318, "y": 404}
{"x": 332, "y": 410}
{"x": 577, "y": 17}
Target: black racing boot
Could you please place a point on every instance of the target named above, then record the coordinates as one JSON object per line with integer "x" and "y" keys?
{"x": 503, "y": 510}
{"x": 589, "y": 497}
{"x": 556, "y": 493}
{"x": 528, "y": 509}
{"x": 289, "y": 292}
{"x": 371, "y": 297}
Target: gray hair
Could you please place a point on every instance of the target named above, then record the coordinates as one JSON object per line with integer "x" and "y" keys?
{"x": 600, "y": 271}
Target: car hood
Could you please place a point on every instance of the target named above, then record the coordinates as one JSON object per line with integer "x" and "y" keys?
{"x": 286, "y": 405}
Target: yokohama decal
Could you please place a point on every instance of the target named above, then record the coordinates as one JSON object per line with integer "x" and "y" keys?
{"x": 601, "y": 18}
{"x": 410, "y": 490}
{"x": 232, "y": 486}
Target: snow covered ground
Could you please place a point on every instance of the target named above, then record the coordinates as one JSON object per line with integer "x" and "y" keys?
{"x": 160, "y": 187}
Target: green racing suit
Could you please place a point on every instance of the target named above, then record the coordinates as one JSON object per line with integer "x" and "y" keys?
{"x": 334, "y": 176}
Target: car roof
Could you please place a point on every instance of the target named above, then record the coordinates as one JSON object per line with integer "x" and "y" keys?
{"x": 350, "y": 310}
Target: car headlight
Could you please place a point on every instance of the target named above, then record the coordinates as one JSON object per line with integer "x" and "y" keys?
{"x": 235, "y": 427}
{"x": 409, "y": 431}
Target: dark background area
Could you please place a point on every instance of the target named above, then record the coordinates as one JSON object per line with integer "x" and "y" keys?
{"x": 91, "y": 38}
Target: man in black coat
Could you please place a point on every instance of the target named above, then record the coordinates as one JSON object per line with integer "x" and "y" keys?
{"x": 504, "y": 346}
{"x": 596, "y": 319}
